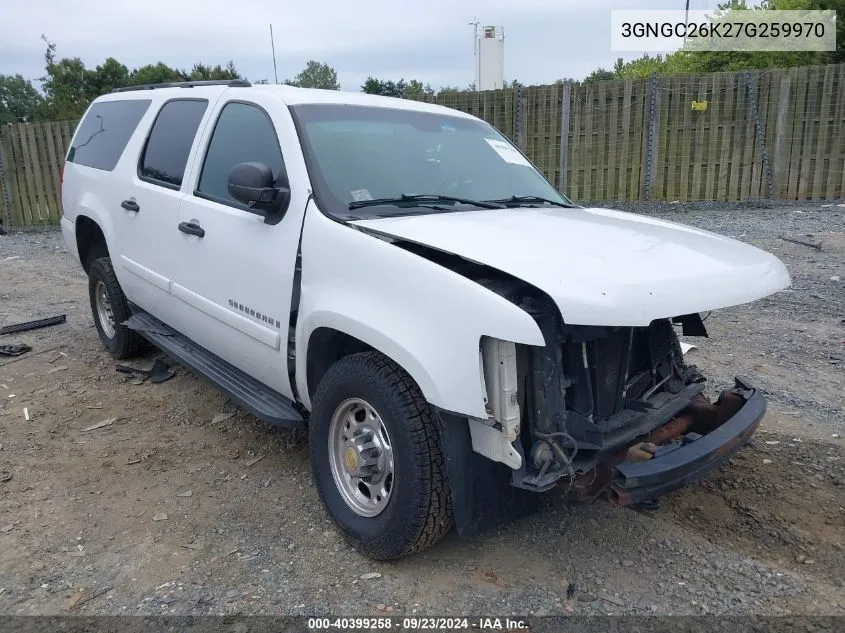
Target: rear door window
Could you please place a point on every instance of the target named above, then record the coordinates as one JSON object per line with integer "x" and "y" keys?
{"x": 104, "y": 132}
{"x": 169, "y": 144}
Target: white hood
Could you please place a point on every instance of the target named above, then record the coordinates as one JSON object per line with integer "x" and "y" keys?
{"x": 602, "y": 267}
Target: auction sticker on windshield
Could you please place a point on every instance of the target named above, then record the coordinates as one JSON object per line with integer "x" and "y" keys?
{"x": 508, "y": 152}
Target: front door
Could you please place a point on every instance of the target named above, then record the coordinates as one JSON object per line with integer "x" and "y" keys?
{"x": 234, "y": 270}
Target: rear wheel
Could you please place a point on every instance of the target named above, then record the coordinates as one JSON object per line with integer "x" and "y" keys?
{"x": 377, "y": 458}
{"x": 110, "y": 310}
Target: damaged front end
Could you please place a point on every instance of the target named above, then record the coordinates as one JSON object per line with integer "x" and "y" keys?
{"x": 608, "y": 412}
{"x": 599, "y": 412}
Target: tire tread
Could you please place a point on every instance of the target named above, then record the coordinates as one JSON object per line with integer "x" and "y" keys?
{"x": 126, "y": 343}
{"x": 433, "y": 518}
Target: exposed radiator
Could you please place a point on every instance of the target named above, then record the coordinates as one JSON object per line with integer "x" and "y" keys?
{"x": 660, "y": 339}
{"x": 610, "y": 362}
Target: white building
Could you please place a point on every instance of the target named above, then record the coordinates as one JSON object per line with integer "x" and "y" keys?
{"x": 490, "y": 58}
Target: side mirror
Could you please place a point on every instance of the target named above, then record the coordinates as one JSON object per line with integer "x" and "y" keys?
{"x": 253, "y": 184}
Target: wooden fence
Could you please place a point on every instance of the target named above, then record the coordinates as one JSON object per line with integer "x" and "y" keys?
{"x": 31, "y": 159}
{"x": 722, "y": 136}
{"x": 776, "y": 133}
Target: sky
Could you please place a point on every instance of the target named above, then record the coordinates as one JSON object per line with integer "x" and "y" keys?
{"x": 431, "y": 40}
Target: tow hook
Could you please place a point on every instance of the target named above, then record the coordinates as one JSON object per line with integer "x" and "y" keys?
{"x": 641, "y": 452}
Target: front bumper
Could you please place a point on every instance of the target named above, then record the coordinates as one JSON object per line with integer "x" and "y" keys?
{"x": 678, "y": 465}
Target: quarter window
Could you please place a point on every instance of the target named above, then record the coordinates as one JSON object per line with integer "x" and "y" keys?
{"x": 243, "y": 134}
{"x": 104, "y": 132}
{"x": 169, "y": 144}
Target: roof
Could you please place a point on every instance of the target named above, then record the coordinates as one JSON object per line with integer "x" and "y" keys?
{"x": 294, "y": 96}
{"x": 290, "y": 95}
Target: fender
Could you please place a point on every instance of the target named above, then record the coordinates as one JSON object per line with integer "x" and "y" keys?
{"x": 424, "y": 317}
{"x": 88, "y": 206}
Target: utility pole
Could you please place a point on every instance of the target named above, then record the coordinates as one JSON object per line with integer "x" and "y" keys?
{"x": 273, "y": 47}
{"x": 686, "y": 23}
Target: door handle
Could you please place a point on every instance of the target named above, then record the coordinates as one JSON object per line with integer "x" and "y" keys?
{"x": 191, "y": 228}
{"x": 130, "y": 205}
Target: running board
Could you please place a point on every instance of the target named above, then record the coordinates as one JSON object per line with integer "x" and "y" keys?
{"x": 257, "y": 398}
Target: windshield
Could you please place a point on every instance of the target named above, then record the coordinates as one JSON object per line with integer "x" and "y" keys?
{"x": 359, "y": 153}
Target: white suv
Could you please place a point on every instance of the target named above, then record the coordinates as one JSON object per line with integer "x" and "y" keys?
{"x": 456, "y": 335}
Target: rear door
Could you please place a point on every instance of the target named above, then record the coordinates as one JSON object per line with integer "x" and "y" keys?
{"x": 94, "y": 170}
{"x": 238, "y": 277}
{"x": 149, "y": 206}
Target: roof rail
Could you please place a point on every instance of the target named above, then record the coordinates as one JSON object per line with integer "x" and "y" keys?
{"x": 232, "y": 83}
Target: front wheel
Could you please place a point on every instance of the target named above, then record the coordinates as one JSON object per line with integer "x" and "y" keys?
{"x": 377, "y": 458}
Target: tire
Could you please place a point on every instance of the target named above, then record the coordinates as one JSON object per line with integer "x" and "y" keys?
{"x": 418, "y": 512}
{"x": 120, "y": 341}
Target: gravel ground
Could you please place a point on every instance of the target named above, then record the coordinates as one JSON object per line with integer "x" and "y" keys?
{"x": 798, "y": 357}
{"x": 169, "y": 511}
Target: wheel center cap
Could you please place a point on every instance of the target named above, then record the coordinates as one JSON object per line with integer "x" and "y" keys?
{"x": 351, "y": 460}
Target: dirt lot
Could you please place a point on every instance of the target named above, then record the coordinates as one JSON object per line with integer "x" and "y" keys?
{"x": 165, "y": 511}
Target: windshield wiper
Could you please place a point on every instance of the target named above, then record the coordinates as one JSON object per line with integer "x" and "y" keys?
{"x": 518, "y": 201}
{"x": 406, "y": 200}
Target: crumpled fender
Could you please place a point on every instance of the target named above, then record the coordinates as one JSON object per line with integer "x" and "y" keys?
{"x": 424, "y": 317}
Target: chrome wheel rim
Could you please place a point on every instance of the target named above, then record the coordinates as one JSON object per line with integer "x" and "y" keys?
{"x": 361, "y": 457}
{"x": 104, "y": 312}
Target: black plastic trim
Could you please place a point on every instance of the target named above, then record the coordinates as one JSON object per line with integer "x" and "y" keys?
{"x": 482, "y": 495}
{"x": 635, "y": 482}
{"x": 296, "y": 291}
{"x": 232, "y": 83}
{"x": 653, "y": 419}
{"x": 33, "y": 325}
{"x": 254, "y": 396}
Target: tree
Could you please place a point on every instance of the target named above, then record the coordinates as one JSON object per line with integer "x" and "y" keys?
{"x": 412, "y": 89}
{"x": 106, "y": 77}
{"x": 600, "y": 74}
{"x": 19, "y": 100}
{"x": 372, "y": 86}
{"x": 394, "y": 89}
{"x": 316, "y": 75}
{"x": 201, "y": 72}
{"x": 65, "y": 85}
{"x": 416, "y": 90}
{"x": 375, "y": 86}
{"x": 69, "y": 86}
{"x": 156, "y": 74}
{"x": 644, "y": 66}
{"x": 691, "y": 61}
{"x": 618, "y": 66}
